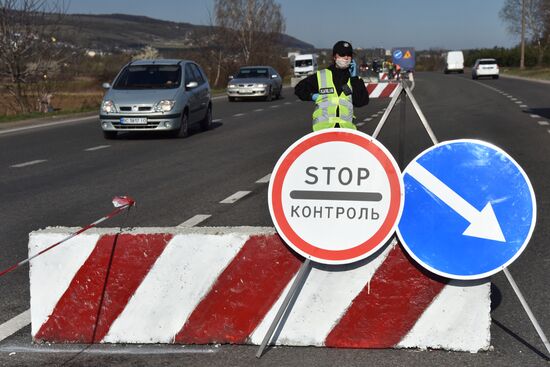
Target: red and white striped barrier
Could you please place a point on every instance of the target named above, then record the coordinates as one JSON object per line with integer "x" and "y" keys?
{"x": 382, "y": 76}
{"x": 381, "y": 90}
{"x": 225, "y": 285}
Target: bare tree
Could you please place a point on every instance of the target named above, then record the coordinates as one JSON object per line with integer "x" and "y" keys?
{"x": 511, "y": 14}
{"x": 253, "y": 27}
{"x": 29, "y": 49}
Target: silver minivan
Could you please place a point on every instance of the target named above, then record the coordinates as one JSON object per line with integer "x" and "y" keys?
{"x": 157, "y": 95}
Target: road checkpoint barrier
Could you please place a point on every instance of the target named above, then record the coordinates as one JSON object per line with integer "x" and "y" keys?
{"x": 224, "y": 285}
{"x": 381, "y": 90}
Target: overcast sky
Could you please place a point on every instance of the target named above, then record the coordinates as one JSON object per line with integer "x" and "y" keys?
{"x": 422, "y": 24}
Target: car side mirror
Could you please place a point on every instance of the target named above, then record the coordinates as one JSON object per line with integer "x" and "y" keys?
{"x": 274, "y": 76}
{"x": 106, "y": 85}
{"x": 191, "y": 85}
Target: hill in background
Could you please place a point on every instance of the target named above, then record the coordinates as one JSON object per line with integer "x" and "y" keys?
{"x": 111, "y": 32}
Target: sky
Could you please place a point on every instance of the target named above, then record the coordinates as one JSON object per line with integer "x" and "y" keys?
{"x": 422, "y": 24}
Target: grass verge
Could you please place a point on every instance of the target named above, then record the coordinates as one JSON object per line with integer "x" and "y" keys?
{"x": 533, "y": 73}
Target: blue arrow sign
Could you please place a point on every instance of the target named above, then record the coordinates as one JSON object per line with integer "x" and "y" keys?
{"x": 397, "y": 54}
{"x": 469, "y": 209}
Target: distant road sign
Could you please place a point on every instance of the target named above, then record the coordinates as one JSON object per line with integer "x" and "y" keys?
{"x": 404, "y": 57}
{"x": 469, "y": 209}
{"x": 336, "y": 196}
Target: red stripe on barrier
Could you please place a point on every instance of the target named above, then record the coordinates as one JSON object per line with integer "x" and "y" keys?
{"x": 75, "y": 314}
{"x": 371, "y": 87}
{"x": 243, "y": 294}
{"x": 388, "y": 90}
{"x": 399, "y": 294}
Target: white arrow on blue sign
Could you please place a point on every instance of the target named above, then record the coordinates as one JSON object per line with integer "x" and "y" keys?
{"x": 469, "y": 211}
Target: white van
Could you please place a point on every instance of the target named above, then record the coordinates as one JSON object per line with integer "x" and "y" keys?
{"x": 305, "y": 65}
{"x": 454, "y": 62}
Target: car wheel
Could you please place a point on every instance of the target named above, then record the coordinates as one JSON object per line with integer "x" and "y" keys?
{"x": 269, "y": 96}
{"x": 279, "y": 93}
{"x": 110, "y": 134}
{"x": 206, "y": 123}
{"x": 231, "y": 99}
{"x": 183, "y": 131}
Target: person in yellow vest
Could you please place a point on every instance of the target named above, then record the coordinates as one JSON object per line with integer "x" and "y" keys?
{"x": 335, "y": 90}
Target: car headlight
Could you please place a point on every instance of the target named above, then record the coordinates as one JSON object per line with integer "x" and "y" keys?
{"x": 261, "y": 85}
{"x": 108, "y": 107}
{"x": 165, "y": 105}
{"x": 231, "y": 86}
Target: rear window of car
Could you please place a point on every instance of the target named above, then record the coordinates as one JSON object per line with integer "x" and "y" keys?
{"x": 487, "y": 62}
{"x": 253, "y": 73}
{"x": 149, "y": 77}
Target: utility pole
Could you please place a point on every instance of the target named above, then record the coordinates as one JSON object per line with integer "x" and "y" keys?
{"x": 522, "y": 57}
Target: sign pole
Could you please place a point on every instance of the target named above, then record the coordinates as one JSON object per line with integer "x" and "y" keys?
{"x": 527, "y": 309}
{"x": 292, "y": 294}
{"x": 402, "y": 122}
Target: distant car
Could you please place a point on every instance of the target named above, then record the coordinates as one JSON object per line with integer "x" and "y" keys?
{"x": 157, "y": 95}
{"x": 254, "y": 82}
{"x": 485, "y": 67}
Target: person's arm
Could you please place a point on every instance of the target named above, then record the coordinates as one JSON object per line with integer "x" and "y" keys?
{"x": 306, "y": 88}
{"x": 360, "y": 96}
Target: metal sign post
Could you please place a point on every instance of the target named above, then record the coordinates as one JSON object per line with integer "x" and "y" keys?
{"x": 426, "y": 177}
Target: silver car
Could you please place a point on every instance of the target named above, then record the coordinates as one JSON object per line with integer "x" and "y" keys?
{"x": 157, "y": 95}
{"x": 254, "y": 82}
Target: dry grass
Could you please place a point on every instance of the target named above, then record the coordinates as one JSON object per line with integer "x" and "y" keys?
{"x": 535, "y": 73}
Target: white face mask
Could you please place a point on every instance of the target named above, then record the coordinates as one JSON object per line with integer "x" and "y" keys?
{"x": 342, "y": 63}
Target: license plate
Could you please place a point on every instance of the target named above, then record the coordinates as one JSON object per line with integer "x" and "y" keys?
{"x": 245, "y": 91}
{"x": 133, "y": 120}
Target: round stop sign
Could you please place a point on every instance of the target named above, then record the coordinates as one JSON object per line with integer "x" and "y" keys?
{"x": 336, "y": 195}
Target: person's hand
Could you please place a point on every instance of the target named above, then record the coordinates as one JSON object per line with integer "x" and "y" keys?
{"x": 314, "y": 96}
{"x": 353, "y": 68}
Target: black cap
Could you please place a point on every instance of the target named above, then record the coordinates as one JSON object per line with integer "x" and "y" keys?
{"x": 342, "y": 48}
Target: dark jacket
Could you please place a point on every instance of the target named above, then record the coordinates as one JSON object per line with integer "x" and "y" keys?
{"x": 309, "y": 86}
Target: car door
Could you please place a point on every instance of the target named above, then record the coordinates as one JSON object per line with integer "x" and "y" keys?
{"x": 203, "y": 91}
{"x": 192, "y": 93}
{"x": 278, "y": 82}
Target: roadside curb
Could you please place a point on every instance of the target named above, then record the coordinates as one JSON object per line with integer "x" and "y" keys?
{"x": 542, "y": 81}
{"x": 45, "y": 120}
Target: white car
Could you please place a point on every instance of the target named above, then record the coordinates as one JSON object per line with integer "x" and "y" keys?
{"x": 485, "y": 67}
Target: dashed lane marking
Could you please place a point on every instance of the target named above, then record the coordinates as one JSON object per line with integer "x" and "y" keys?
{"x": 359, "y": 124}
{"x": 368, "y": 119}
{"x": 236, "y": 196}
{"x": 217, "y": 120}
{"x": 17, "y": 323}
{"x": 97, "y": 148}
{"x": 519, "y": 102}
{"x": 523, "y": 106}
{"x": 31, "y": 163}
{"x": 264, "y": 179}
{"x": 535, "y": 116}
{"x": 238, "y": 115}
{"x": 544, "y": 123}
{"x": 288, "y": 102}
{"x": 258, "y": 110}
{"x": 193, "y": 221}
{"x": 276, "y": 106}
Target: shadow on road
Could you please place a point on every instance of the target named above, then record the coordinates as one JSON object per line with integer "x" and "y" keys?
{"x": 542, "y": 112}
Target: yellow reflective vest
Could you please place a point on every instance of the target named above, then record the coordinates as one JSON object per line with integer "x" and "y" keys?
{"x": 329, "y": 104}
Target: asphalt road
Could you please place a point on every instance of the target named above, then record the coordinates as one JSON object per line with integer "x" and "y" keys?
{"x": 66, "y": 175}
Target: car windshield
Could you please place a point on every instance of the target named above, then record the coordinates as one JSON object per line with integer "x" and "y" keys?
{"x": 303, "y": 63}
{"x": 149, "y": 77}
{"x": 487, "y": 62}
{"x": 252, "y": 73}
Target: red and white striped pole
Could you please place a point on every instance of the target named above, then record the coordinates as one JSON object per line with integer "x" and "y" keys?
{"x": 121, "y": 203}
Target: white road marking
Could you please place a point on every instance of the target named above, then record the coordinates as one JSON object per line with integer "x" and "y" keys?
{"x": 193, "y": 221}
{"x": 236, "y": 196}
{"x": 25, "y": 164}
{"x": 276, "y": 106}
{"x": 238, "y": 115}
{"x": 48, "y": 124}
{"x": 523, "y": 106}
{"x": 17, "y": 323}
{"x": 368, "y": 119}
{"x": 544, "y": 123}
{"x": 360, "y": 124}
{"x": 97, "y": 148}
{"x": 108, "y": 349}
{"x": 217, "y": 120}
{"x": 535, "y": 116}
{"x": 513, "y": 99}
{"x": 264, "y": 179}
{"x": 518, "y": 102}
{"x": 288, "y": 102}
{"x": 258, "y": 110}
{"x": 375, "y": 115}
